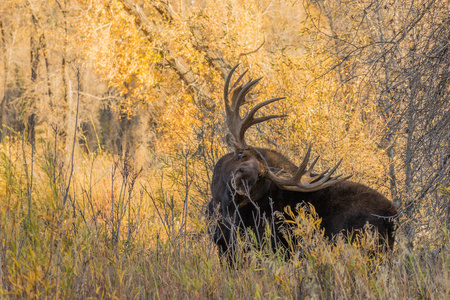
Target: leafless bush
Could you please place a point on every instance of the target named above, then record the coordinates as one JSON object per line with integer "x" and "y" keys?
{"x": 397, "y": 53}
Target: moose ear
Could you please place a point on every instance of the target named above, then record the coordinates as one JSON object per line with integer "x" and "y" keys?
{"x": 231, "y": 142}
{"x": 276, "y": 171}
{"x": 280, "y": 172}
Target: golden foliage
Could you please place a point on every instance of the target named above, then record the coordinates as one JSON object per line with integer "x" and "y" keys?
{"x": 108, "y": 234}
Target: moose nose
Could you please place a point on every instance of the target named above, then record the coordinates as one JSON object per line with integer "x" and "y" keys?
{"x": 241, "y": 170}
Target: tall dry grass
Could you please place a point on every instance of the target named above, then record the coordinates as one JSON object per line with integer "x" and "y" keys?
{"x": 108, "y": 229}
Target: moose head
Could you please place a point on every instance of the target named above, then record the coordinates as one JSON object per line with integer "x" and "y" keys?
{"x": 249, "y": 165}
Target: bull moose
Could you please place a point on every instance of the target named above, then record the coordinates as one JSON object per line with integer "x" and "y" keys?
{"x": 251, "y": 183}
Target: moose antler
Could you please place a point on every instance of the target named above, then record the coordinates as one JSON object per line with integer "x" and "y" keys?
{"x": 237, "y": 125}
{"x": 303, "y": 181}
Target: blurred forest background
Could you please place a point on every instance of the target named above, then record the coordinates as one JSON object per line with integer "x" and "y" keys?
{"x": 111, "y": 121}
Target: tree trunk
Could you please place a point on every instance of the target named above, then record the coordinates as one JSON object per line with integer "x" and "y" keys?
{"x": 4, "y": 80}
{"x": 34, "y": 50}
{"x": 392, "y": 175}
{"x": 34, "y": 64}
{"x": 43, "y": 44}
{"x": 409, "y": 206}
{"x": 198, "y": 85}
{"x": 70, "y": 113}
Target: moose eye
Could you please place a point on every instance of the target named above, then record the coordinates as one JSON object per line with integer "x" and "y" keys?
{"x": 240, "y": 155}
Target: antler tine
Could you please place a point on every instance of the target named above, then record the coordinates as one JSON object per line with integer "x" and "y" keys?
{"x": 244, "y": 91}
{"x": 329, "y": 173}
{"x": 227, "y": 82}
{"x": 227, "y": 88}
{"x": 305, "y": 160}
{"x": 249, "y": 120}
{"x": 296, "y": 177}
{"x": 302, "y": 181}
{"x": 257, "y": 107}
{"x": 239, "y": 79}
{"x": 237, "y": 125}
{"x": 308, "y": 173}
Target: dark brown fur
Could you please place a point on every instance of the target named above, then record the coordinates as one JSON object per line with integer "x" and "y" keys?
{"x": 344, "y": 207}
